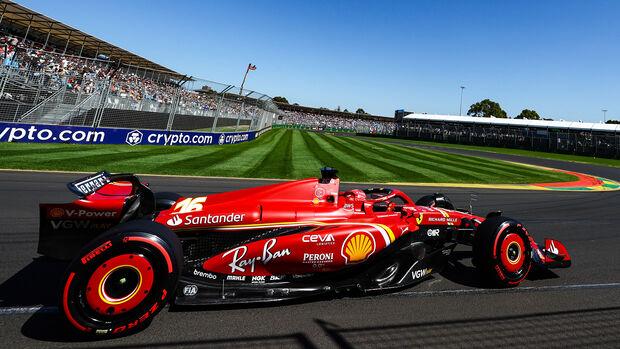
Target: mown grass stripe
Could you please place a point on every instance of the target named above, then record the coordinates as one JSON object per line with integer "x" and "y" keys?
{"x": 328, "y": 159}
{"x": 422, "y": 171}
{"x": 204, "y": 159}
{"x": 512, "y": 173}
{"x": 277, "y": 163}
{"x": 304, "y": 160}
{"x": 465, "y": 161}
{"x": 250, "y": 157}
{"x": 279, "y": 153}
{"x": 363, "y": 153}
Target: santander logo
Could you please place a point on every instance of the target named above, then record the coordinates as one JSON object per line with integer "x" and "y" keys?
{"x": 174, "y": 221}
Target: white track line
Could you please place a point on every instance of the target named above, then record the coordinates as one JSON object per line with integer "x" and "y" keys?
{"x": 504, "y": 290}
{"x": 27, "y": 310}
{"x": 52, "y": 309}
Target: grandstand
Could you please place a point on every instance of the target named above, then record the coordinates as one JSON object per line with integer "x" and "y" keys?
{"x": 55, "y": 74}
{"x": 580, "y": 138}
{"x": 322, "y": 119}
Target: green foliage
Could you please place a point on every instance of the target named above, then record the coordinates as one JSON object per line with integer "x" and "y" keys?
{"x": 612, "y": 122}
{"x": 487, "y": 108}
{"x": 360, "y": 111}
{"x": 281, "y": 153}
{"x": 528, "y": 114}
{"x": 280, "y": 99}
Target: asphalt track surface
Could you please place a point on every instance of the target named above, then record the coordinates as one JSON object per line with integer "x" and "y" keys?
{"x": 564, "y": 308}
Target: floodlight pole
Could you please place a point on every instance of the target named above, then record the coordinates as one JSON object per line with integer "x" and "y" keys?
{"x": 461, "y": 106}
{"x": 604, "y": 116}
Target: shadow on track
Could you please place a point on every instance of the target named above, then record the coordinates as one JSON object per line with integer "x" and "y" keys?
{"x": 35, "y": 284}
{"x": 461, "y": 273}
{"x": 568, "y": 329}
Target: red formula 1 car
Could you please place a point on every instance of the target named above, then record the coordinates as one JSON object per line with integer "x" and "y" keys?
{"x": 133, "y": 251}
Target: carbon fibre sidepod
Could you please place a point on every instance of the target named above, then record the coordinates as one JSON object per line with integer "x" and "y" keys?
{"x": 105, "y": 201}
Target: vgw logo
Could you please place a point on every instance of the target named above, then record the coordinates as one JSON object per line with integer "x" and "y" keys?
{"x": 134, "y": 137}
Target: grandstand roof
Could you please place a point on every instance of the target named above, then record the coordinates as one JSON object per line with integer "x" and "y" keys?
{"x": 60, "y": 34}
{"x": 581, "y": 126}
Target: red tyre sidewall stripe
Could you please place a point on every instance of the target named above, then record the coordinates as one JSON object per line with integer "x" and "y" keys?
{"x": 158, "y": 246}
{"x": 505, "y": 226}
{"x": 66, "y": 305}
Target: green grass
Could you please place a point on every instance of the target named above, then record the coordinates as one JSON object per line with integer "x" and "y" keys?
{"x": 281, "y": 153}
{"x": 510, "y": 151}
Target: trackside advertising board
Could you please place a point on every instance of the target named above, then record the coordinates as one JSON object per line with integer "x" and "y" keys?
{"x": 31, "y": 133}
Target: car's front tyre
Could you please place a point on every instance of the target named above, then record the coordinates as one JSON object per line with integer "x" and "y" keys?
{"x": 502, "y": 251}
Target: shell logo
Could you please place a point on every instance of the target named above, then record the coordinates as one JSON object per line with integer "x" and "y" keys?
{"x": 57, "y": 212}
{"x": 358, "y": 246}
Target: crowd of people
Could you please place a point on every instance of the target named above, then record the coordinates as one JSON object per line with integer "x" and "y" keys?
{"x": 325, "y": 121}
{"x": 51, "y": 69}
{"x": 542, "y": 139}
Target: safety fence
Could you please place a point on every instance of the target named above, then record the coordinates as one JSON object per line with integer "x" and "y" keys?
{"x": 43, "y": 88}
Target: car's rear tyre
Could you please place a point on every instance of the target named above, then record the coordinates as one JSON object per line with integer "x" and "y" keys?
{"x": 502, "y": 251}
{"x": 436, "y": 200}
{"x": 164, "y": 200}
{"x": 122, "y": 279}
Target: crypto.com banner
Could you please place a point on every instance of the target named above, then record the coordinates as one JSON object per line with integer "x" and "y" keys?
{"x": 31, "y": 133}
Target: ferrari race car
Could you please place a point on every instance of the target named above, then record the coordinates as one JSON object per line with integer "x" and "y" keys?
{"x": 133, "y": 250}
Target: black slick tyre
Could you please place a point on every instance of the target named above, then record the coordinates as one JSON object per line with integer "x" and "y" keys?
{"x": 436, "y": 200}
{"x": 164, "y": 200}
{"x": 122, "y": 279}
{"x": 502, "y": 251}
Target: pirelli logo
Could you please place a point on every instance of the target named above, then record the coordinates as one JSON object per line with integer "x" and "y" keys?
{"x": 96, "y": 252}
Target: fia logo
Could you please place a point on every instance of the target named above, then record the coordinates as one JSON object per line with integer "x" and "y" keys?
{"x": 134, "y": 137}
{"x": 190, "y": 290}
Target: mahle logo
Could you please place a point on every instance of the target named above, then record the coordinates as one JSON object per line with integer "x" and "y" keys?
{"x": 134, "y": 137}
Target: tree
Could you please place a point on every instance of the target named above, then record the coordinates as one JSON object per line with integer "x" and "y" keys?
{"x": 360, "y": 111}
{"x": 528, "y": 114}
{"x": 612, "y": 122}
{"x": 346, "y": 110}
{"x": 280, "y": 99}
{"x": 487, "y": 108}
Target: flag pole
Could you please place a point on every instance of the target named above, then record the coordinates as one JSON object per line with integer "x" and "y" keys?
{"x": 246, "y": 75}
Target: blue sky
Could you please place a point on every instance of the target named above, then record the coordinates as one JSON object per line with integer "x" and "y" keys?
{"x": 560, "y": 58}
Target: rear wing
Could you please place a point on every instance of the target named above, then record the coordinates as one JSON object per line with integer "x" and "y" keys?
{"x": 89, "y": 184}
